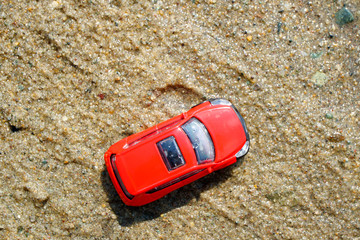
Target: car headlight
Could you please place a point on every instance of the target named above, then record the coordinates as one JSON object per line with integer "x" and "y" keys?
{"x": 243, "y": 150}
{"x": 220, "y": 101}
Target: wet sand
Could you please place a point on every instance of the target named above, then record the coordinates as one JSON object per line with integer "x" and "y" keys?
{"x": 77, "y": 76}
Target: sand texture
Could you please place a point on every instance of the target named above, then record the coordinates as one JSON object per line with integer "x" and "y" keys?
{"x": 77, "y": 76}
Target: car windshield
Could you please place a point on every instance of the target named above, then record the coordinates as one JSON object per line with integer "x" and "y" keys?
{"x": 200, "y": 140}
{"x": 170, "y": 153}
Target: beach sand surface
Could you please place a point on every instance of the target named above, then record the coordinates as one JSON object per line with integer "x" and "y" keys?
{"x": 77, "y": 76}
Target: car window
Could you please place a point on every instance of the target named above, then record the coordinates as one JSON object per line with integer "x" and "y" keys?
{"x": 170, "y": 153}
{"x": 200, "y": 140}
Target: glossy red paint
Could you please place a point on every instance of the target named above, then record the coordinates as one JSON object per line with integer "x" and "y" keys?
{"x": 138, "y": 170}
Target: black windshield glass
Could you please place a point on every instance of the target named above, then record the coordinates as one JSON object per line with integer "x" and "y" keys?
{"x": 200, "y": 139}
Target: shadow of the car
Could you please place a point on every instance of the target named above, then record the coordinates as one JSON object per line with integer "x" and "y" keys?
{"x": 127, "y": 215}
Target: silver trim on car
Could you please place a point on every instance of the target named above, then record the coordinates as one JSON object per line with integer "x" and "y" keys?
{"x": 244, "y": 150}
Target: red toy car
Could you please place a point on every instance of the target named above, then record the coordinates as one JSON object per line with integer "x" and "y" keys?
{"x": 148, "y": 165}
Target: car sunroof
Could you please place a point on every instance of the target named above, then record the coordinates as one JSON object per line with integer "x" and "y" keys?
{"x": 170, "y": 153}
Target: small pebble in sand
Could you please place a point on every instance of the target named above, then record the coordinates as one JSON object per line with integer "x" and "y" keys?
{"x": 336, "y": 137}
{"x": 316, "y": 55}
{"x": 101, "y": 96}
{"x": 329, "y": 116}
{"x": 319, "y": 78}
{"x": 343, "y": 16}
{"x": 249, "y": 38}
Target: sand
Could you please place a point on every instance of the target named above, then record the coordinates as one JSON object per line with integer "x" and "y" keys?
{"x": 77, "y": 76}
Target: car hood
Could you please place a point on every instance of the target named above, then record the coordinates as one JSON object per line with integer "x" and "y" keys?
{"x": 228, "y": 136}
